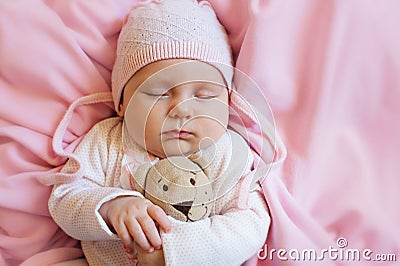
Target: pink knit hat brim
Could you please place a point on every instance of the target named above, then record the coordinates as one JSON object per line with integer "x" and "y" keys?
{"x": 170, "y": 29}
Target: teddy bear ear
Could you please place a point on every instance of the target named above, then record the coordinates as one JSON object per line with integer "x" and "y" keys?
{"x": 139, "y": 177}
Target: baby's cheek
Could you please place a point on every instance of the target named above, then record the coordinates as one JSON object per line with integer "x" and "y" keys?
{"x": 213, "y": 127}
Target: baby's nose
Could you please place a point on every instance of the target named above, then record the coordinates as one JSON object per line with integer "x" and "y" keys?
{"x": 182, "y": 109}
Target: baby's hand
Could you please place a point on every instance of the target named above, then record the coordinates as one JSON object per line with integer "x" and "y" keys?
{"x": 133, "y": 219}
{"x": 154, "y": 258}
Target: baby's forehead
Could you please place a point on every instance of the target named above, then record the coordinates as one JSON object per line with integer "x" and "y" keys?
{"x": 171, "y": 84}
{"x": 184, "y": 71}
{"x": 174, "y": 72}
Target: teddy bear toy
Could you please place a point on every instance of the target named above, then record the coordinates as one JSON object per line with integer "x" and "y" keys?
{"x": 178, "y": 185}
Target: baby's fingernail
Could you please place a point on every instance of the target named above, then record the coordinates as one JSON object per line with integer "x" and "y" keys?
{"x": 150, "y": 250}
{"x": 128, "y": 250}
{"x": 158, "y": 247}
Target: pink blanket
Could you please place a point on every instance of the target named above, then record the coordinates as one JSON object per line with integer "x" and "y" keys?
{"x": 329, "y": 69}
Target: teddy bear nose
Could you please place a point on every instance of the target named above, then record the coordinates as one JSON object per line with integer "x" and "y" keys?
{"x": 183, "y": 207}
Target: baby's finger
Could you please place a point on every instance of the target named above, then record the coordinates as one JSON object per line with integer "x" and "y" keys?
{"x": 158, "y": 214}
{"x": 138, "y": 235}
{"x": 123, "y": 234}
{"x": 150, "y": 230}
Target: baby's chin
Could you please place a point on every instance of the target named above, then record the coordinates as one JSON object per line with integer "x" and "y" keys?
{"x": 179, "y": 148}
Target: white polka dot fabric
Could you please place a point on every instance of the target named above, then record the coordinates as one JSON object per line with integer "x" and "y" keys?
{"x": 236, "y": 230}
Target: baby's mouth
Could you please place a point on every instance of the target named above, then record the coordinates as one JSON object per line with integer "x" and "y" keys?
{"x": 177, "y": 134}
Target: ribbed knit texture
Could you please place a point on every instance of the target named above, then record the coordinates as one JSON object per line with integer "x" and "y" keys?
{"x": 170, "y": 29}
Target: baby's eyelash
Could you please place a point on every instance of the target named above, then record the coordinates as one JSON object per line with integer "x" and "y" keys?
{"x": 206, "y": 97}
{"x": 156, "y": 94}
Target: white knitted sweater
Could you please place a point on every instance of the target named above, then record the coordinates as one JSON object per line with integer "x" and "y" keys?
{"x": 233, "y": 233}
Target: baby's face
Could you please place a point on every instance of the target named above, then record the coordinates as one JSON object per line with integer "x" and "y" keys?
{"x": 176, "y": 107}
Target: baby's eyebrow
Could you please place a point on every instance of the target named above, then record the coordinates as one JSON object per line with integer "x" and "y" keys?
{"x": 209, "y": 86}
{"x": 153, "y": 81}
{"x": 154, "y": 86}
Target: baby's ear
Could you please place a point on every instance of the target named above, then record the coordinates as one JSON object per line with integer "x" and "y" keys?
{"x": 121, "y": 110}
{"x": 139, "y": 177}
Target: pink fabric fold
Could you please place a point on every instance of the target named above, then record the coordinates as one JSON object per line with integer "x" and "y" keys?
{"x": 51, "y": 53}
{"x": 329, "y": 70}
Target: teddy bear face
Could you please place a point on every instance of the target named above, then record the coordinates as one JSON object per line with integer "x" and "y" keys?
{"x": 180, "y": 187}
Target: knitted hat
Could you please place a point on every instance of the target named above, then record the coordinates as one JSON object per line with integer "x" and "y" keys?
{"x": 167, "y": 29}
